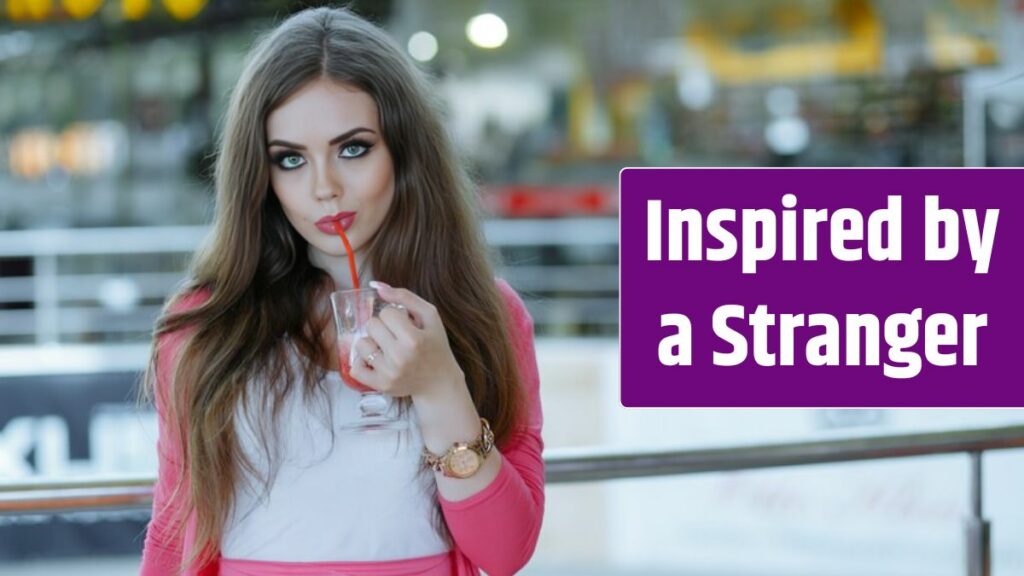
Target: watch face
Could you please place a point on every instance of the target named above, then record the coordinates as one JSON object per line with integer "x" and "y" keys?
{"x": 463, "y": 462}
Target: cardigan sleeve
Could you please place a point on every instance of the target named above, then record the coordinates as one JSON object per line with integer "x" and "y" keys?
{"x": 497, "y": 528}
{"x": 162, "y": 552}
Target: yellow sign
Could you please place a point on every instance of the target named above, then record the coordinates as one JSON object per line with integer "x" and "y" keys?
{"x": 28, "y": 9}
{"x": 184, "y": 9}
{"x": 856, "y": 48}
{"x": 962, "y": 35}
{"x": 134, "y": 9}
{"x": 81, "y": 9}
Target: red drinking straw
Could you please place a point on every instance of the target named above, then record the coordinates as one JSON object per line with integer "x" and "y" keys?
{"x": 351, "y": 256}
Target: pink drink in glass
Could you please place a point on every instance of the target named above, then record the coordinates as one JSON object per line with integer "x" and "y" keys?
{"x": 345, "y": 365}
{"x": 353, "y": 309}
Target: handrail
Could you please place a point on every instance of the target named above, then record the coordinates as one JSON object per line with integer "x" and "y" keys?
{"x": 68, "y": 500}
{"x": 569, "y": 465}
{"x": 111, "y": 295}
{"x": 572, "y": 465}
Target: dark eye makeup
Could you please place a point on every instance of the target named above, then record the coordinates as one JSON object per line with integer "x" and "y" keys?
{"x": 350, "y": 150}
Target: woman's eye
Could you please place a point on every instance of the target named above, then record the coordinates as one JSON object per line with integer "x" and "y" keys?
{"x": 354, "y": 150}
{"x": 290, "y": 161}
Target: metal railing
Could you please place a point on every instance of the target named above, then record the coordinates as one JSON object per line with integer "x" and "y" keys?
{"x": 88, "y": 284}
{"x": 592, "y": 465}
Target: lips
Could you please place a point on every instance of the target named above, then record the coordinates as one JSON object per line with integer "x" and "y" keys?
{"x": 326, "y": 224}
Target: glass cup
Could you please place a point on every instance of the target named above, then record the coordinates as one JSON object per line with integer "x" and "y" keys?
{"x": 352, "y": 311}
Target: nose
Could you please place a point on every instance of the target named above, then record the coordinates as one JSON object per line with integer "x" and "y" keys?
{"x": 327, "y": 185}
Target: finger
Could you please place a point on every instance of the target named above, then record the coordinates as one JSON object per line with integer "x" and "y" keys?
{"x": 367, "y": 376}
{"x": 405, "y": 312}
{"x": 399, "y": 323}
{"x": 383, "y": 334}
{"x": 421, "y": 311}
{"x": 368, "y": 353}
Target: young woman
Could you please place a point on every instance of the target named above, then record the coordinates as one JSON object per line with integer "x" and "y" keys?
{"x": 331, "y": 122}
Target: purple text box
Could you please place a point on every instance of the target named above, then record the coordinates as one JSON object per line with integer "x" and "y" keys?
{"x": 697, "y": 289}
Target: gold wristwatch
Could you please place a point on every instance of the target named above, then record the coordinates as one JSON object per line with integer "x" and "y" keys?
{"x": 463, "y": 459}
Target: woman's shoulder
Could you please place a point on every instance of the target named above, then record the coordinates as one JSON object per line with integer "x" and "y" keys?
{"x": 169, "y": 344}
{"x": 514, "y": 303}
{"x": 181, "y": 302}
{"x": 188, "y": 299}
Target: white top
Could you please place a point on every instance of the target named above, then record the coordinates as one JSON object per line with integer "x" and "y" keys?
{"x": 361, "y": 497}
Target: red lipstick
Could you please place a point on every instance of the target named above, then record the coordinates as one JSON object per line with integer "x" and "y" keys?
{"x": 326, "y": 224}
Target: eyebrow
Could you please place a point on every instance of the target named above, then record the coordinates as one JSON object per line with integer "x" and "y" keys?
{"x": 333, "y": 141}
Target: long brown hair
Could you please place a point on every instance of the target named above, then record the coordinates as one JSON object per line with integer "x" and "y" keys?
{"x": 259, "y": 281}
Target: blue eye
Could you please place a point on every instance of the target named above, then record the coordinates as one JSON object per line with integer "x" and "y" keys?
{"x": 355, "y": 149}
{"x": 288, "y": 160}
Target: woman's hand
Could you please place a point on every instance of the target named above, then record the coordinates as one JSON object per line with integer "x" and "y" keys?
{"x": 406, "y": 352}
{"x": 411, "y": 357}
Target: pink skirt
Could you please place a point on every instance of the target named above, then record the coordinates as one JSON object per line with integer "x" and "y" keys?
{"x": 439, "y": 565}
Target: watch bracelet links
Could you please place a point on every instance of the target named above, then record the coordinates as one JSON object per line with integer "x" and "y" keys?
{"x": 482, "y": 445}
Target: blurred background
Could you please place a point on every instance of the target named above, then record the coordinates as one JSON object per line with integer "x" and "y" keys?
{"x": 108, "y": 114}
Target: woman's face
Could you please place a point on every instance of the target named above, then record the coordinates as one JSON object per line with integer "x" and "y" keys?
{"x": 329, "y": 162}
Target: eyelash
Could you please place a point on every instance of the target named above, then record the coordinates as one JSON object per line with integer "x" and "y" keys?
{"x": 279, "y": 157}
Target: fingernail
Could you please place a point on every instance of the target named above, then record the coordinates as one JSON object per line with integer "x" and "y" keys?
{"x": 379, "y": 285}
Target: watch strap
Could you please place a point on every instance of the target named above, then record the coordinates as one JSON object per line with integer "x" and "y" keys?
{"x": 482, "y": 445}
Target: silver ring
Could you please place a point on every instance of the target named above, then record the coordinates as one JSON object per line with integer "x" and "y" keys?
{"x": 399, "y": 307}
{"x": 371, "y": 357}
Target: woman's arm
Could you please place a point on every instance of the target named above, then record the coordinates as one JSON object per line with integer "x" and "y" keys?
{"x": 162, "y": 551}
{"x": 494, "y": 515}
{"x": 497, "y": 526}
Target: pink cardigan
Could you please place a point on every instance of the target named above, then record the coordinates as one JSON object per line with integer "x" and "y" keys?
{"x": 495, "y": 529}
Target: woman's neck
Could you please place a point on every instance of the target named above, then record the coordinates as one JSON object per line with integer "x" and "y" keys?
{"x": 338, "y": 269}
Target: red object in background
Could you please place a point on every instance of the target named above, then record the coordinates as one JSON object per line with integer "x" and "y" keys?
{"x": 523, "y": 201}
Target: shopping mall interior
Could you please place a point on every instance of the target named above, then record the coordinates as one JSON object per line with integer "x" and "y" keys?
{"x": 110, "y": 114}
